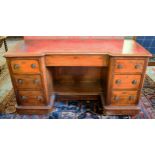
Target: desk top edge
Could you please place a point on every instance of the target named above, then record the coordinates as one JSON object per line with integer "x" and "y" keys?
{"x": 111, "y": 47}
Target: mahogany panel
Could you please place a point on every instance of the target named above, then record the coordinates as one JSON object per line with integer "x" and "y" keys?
{"x": 126, "y": 81}
{"x": 77, "y": 97}
{"x": 83, "y": 87}
{"x": 77, "y": 60}
{"x": 21, "y": 66}
{"x": 33, "y": 110}
{"x": 78, "y": 74}
{"x": 121, "y": 110}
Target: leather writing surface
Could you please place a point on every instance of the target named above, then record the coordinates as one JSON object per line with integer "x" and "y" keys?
{"x": 112, "y": 47}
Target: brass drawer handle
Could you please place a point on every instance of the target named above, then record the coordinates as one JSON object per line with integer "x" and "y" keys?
{"x": 119, "y": 66}
{"x": 33, "y": 66}
{"x": 39, "y": 98}
{"x": 23, "y": 97}
{"x": 36, "y": 81}
{"x": 20, "y": 81}
{"x": 131, "y": 98}
{"x": 134, "y": 82}
{"x": 16, "y": 66}
{"x": 137, "y": 66}
{"x": 118, "y": 81}
{"x": 116, "y": 98}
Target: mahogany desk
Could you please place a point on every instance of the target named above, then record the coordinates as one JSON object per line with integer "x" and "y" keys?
{"x": 110, "y": 70}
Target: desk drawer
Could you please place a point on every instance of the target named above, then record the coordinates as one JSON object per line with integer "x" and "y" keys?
{"x": 31, "y": 98}
{"x": 126, "y": 81}
{"x": 128, "y": 66}
{"x": 77, "y": 60}
{"x": 25, "y": 66}
{"x": 28, "y": 81}
{"x": 124, "y": 98}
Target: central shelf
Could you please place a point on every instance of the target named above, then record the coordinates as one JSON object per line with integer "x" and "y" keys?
{"x": 77, "y": 80}
{"x": 78, "y": 88}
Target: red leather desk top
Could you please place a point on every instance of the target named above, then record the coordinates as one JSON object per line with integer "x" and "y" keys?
{"x": 47, "y": 46}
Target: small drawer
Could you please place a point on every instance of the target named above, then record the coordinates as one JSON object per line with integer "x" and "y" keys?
{"x": 31, "y": 98}
{"x": 28, "y": 81}
{"x": 126, "y": 81}
{"x": 128, "y": 66}
{"x": 25, "y": 66}
{"x": 122, "y": 98}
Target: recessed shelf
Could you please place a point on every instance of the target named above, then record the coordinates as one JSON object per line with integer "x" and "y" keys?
{"x": 79, "y": 88}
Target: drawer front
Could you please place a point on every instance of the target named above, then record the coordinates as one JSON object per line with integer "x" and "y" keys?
{"x": 81, "y": 60}
{"x": 31, "y": 98}
{"x": 28, "y": 81}
{"x": 25, "y": 66}
{"x": 127, "y": 65}
{"x": 123, "y": 98}
{"x": 126, "y": 81}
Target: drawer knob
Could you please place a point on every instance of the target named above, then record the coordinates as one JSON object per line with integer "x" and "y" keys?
{"x": 131, "y": 98}
{"x": 116, "y": 98}
{"x": 36, "y": 81}
{"x": 20, "y": 81}
{"x": 119, "y": 66}
{"x": 118, "y": 81}
{"x": 23, "y": 97}
{"x": 137, "y": 66}
{"x": 33, "y": 66}
{"x": 134, "y": 82}
{"x": 39, "y": 98}
{"x": 16, "y": 66}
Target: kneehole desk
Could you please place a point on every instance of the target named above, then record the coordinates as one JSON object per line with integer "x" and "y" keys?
{"x": 109, "y": 70}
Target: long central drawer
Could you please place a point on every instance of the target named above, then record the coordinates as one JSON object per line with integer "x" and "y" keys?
{"x": 76, "y": 60}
